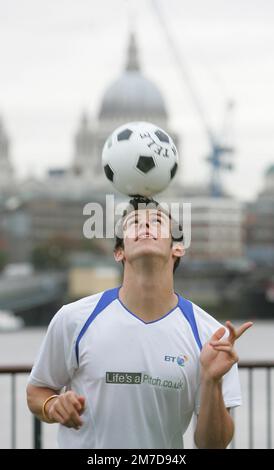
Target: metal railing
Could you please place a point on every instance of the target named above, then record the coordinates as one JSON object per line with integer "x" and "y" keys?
{"x": 250, "y": 367}
{"x": 13, "y": 372}
{"x": 268, "y": 366}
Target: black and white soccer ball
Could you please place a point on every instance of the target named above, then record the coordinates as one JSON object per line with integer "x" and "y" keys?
{"x": 139, "y": 158}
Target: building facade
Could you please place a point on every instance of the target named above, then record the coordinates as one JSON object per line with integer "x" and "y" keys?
{"x": 216, "y": 229}
{"x": 6, "y": 169}
{"x": 259, "y": 223}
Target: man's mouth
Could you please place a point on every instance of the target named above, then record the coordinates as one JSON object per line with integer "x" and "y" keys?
{"x": 143, "y": 236}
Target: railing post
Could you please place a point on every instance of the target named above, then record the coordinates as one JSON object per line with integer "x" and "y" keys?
{"x": 269, "y": 409}
{"x": 250, "y": 406}
{"x": 37, "y": 433}
{"x": 13, "y": 411}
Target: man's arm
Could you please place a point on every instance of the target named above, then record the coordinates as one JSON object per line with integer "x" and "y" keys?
{"x": 36, "y": 396}
{"x": 65, "y": 409}
{"x": 215, "y": 426}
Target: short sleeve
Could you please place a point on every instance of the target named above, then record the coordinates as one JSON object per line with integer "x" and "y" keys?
{"x": 53, "y": 367}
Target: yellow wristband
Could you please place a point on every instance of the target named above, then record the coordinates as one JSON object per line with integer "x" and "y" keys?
{"x": 45, "y": 417}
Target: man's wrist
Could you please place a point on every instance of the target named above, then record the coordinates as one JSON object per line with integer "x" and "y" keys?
{"x": 45, "y": 407}
{"x": 210, "y": 380}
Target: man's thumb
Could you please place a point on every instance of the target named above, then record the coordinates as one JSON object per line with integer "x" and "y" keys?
{"x": 81, "y": 401}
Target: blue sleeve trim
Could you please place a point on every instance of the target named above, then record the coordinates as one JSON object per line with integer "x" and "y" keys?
{"x": 107, "y": 298}
{"x": 187, "y": 310}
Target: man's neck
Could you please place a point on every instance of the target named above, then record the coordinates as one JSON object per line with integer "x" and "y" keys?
{"x": 148, "y": 295}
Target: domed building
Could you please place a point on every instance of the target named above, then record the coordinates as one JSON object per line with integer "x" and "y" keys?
{"x": 131, "y": 97}
{"x": 6, "y": 170}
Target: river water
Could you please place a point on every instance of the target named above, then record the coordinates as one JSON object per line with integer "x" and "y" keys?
{"x": 20, "y": 348}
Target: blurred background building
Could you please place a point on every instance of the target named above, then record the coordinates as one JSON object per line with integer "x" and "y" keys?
{"x": 41, "y": 220}
{"x": 259, "y": 223}
{"x": 6, "y": 169}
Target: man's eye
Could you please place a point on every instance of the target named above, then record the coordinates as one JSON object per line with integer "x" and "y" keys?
{"x": 134, "y": 223}
{"x": 156, "y": 220}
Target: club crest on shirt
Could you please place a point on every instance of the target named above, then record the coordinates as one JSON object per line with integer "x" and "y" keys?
{"x": 180, "y": 360}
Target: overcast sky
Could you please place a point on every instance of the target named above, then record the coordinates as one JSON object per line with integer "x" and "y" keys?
{"x": 59, "y": 56}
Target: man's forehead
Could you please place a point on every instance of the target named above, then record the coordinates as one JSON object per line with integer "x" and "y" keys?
{"x": 145, "y": 213}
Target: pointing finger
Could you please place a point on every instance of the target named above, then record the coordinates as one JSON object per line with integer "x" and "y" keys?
{"x": 236, "y": 333}
{"x": 243, "y": 328}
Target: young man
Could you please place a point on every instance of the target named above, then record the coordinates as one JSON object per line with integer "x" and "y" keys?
{"x": 138, "y": 360}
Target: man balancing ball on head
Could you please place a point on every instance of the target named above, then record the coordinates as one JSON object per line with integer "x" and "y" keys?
{"x": 128, "y": 367}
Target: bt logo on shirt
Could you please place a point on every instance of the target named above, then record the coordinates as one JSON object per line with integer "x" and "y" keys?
{"x": 180, "y": 360}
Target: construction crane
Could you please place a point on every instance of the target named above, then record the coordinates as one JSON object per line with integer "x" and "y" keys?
{"x": 220, "y": 153}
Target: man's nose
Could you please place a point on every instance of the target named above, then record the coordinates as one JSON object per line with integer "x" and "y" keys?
{"x": 144, "y": 223}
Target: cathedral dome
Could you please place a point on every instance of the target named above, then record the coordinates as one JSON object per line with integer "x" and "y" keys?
{"x": 133, "y": 96}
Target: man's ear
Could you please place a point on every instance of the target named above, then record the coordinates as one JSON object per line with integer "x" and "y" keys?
{"x": 178, "y": 250}
{"x": 119, "y": 254}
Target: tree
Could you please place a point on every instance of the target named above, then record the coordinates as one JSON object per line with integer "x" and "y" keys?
{"x": 50, "y": 255}
{"x": 3, "y": 259}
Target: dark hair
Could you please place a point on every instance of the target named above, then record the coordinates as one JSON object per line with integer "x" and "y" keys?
{"x": 151, "y": 203}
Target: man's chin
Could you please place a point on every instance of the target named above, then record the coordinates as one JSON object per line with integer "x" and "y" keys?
{"x": 146, "y": 250}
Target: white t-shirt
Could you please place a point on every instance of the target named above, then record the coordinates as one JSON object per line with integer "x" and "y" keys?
{"x": 140, "y": 380}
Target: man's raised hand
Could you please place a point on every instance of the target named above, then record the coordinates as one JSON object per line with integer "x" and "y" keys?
{"x": 218, "y": 355}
